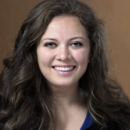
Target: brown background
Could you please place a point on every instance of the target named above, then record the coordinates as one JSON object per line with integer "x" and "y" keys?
{"x": 115, "y": 13}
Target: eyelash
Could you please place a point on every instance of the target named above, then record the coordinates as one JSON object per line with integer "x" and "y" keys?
{"x": 52, "y": 44}
{"x": 77, "y": 44}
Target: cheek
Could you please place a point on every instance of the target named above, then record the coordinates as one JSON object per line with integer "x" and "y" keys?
{"x": 44, "y": 57}
{"x": 82, "y": 57}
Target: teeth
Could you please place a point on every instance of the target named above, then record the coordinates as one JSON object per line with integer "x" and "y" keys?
{"x": 64, "y": 68}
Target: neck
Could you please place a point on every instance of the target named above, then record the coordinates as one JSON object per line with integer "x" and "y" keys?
{"x": 67, "y": 98}
{"x": 68, "y": 107}
{"x": 65, "y": 95}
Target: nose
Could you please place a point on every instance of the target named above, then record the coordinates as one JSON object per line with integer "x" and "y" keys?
{"x": 63, "y": 54}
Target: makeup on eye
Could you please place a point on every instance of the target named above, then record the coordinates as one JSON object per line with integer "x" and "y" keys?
{"x": 53, "y": 44}
{"x": 50, "y": 44}
{"x": 77, "y": 44}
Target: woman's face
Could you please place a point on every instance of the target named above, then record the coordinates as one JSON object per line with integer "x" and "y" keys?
{"x": 63, "y": 52}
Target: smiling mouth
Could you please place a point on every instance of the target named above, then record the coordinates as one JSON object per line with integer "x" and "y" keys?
{"x": 64, "y": 69}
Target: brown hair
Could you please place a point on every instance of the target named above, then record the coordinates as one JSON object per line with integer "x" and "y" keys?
{"x": 25, "y": 99}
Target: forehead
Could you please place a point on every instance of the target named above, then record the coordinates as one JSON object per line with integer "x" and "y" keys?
{"x": 67, "y": 25}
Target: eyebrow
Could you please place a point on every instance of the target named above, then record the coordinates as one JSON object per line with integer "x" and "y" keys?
{"x": 53, "y": 39}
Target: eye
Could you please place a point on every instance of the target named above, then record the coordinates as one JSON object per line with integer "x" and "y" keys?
{"x": 50, "y": 44}
{"x": 77, "y": 44}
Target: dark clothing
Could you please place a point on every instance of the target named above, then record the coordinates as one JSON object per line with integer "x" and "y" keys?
{"x": 110, "y": 126}
{"x": 87, "y": 122}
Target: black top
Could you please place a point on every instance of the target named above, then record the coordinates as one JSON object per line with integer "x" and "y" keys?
{"x": 110, "y": 126}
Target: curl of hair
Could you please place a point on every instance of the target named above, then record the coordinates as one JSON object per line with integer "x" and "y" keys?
{"x": 25, "y": 99}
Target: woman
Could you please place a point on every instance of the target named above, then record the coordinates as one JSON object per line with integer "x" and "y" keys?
{"x": 57, "y": 78}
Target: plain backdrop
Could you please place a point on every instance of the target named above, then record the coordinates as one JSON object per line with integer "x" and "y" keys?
{"x": 115, "y": 13}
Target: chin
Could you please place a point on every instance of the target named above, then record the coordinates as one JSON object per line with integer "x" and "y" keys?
{"x": 63, "y": 85}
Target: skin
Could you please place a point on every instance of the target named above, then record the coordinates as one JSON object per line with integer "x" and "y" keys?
{"x": 65, "y": 42}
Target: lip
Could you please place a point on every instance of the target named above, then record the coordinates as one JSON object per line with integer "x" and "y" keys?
{"x": 64, "y": 72}
{"x": 63, "y": 66}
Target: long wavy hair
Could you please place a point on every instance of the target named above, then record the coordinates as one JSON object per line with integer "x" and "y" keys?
{"x": 25, "y": 98}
